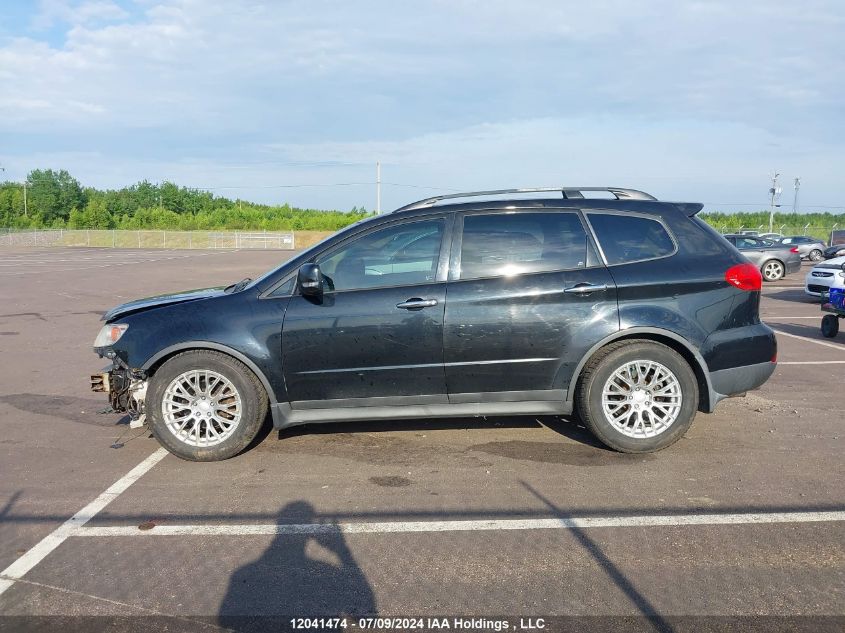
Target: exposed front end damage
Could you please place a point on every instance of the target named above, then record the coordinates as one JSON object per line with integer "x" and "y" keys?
{"x": 126, "y": 389}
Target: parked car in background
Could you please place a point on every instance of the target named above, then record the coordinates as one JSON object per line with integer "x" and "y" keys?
{"x": 836, "y": 250}
{"x": 808, "y": 247}
{"x": 632, "y": 312}
{"x": 774, "y": 237}
{"x": 774, "y": 260}
{"x": 822, "y": 277}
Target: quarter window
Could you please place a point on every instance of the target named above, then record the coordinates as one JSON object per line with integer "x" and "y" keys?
{"x": 514, "y": 243}
{"x": 630, "y": 238}
{"x": 399, "y": 255}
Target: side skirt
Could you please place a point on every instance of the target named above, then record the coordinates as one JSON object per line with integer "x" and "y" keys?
{"x": 284, "y": 416}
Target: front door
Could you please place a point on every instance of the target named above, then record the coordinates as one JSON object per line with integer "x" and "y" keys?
{"x": 527, "y": 298}
{"x": 376, "y": 336}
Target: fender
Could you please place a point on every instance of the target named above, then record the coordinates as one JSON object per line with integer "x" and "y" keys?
{"x": 712, "y": 397}
{"x": 188, "y": 345}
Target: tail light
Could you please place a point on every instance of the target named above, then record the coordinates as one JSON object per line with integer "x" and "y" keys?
{"x": 745, "y": 277}
{"x": 794, "y": 249}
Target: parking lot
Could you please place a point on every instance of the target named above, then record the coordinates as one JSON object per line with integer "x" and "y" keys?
{"x": 496, "y": 518}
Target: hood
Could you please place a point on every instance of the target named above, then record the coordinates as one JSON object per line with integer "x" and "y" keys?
{"x": 835, "y": 263}
{"x": 140, "y": 305}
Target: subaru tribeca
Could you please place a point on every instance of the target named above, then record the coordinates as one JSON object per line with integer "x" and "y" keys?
{"x": 628, "y": 311}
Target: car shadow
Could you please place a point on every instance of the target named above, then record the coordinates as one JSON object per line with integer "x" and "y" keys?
{"x": 569, "y": 427}
{"x": 305, "y": 571}
{"x": 795, "y": 295}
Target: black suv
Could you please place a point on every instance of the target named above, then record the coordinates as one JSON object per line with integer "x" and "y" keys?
{"x": 629, "y": 311}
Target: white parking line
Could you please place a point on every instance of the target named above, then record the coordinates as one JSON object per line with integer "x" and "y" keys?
{"x": 58, "y": 536}
{"x": 462, "y": 526}
{"x": 811, "y": 340}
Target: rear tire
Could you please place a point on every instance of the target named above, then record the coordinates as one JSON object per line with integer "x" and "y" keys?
{"x": 815, "y": 255}
{"x": 205, "y": 406}
{"x": 830, "y": 325}
{"x": 773, "y": 270}
{"x": 652, "y": 411}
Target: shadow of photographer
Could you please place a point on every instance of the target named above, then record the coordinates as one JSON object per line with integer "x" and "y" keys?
{"x": 305, "y": 572}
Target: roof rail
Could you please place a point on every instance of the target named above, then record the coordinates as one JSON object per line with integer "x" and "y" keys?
{"x": 566, "y": 192}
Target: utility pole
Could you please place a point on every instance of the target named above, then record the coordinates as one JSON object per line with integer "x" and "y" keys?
{"x": 378, "y": 187}
{"x": 774, "y": 192}
{"x": 797, "y": 185}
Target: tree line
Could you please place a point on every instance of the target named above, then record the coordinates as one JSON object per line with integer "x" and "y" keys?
{"x": 55, "y": 199}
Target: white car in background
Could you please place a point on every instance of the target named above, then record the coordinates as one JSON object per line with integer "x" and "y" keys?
{"x": 823, "y": 277}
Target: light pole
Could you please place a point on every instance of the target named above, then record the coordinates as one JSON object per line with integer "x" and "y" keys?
{"x": 774, "y": 192}
{"x": 378, "y": 187}
{"x": 797, "y": 186}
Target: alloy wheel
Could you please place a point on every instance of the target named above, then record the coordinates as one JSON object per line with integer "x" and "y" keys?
{"x": 642, "y": 399}
{"x": 201, "y": 408}
{"x": 773, "y": 271}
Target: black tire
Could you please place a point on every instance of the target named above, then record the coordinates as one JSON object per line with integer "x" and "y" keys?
{"x": 253, "y": 403}
{"x": 815, "y": 255}
{"x": 830, "y": 325}
{"x": 599, "y": 370}
{"x": 776, "y": 270}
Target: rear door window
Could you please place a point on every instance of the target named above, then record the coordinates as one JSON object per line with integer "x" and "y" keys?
{"x": 630, "y": 238}
{"x": 505, "y": 244}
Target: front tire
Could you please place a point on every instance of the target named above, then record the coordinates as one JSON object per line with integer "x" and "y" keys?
{"x": 773, "y": 270}
{"x": 205, "y": 406}
{"x": 815, "y": 255}
{"x": 637, "y": 396}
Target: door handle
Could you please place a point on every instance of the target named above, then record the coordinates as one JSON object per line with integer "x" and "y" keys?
{"x": 585, "y": 289}
{"x": 416, "y": 304}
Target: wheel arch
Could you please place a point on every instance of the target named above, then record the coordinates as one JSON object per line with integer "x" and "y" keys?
{"x": 162, "y": 356}
{"x": 707, "y": 398}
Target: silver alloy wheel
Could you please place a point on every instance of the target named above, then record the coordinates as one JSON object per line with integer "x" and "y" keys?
{"x": 642, "y": 399}
{"x": 773, "y": 271}
{"x": 815, "y": 255}
{"x": 201, "y": 407}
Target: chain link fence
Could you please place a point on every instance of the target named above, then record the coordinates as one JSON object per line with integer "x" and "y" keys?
{"x": 149, "y": 239}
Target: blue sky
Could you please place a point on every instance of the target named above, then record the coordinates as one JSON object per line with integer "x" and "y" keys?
{"x": 687, "y": 100}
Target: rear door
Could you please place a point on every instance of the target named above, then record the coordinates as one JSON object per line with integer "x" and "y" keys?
{"x": 527, "y": 297}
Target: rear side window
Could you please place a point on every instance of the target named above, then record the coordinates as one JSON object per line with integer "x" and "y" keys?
{"x": 630, "y": 238}
{"x": 515, "y": 243}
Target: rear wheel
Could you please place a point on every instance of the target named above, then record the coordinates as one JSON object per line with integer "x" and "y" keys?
{"x": 773, "y": 270}
{"x": 638, "y": 396}
{"x": 205, "y": 405}
{"x": 830, "y": 325}
{"x": 815, "y": 255}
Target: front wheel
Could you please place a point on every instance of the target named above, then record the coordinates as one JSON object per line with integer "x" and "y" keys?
{"x": 815, "y": 255}
{"x": 638, "y": 396}
{"x": 205, "y": 406}
{"x": 773, "y": 270}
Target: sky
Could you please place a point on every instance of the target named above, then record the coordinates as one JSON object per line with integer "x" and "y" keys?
{"x": 285, "y": 101}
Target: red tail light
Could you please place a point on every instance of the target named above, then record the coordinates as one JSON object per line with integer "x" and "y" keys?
{"x": 744, "y": 276}
{"x": 794, "y": 249}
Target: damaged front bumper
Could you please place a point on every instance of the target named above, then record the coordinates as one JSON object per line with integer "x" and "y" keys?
{"x": 126, "y": 389}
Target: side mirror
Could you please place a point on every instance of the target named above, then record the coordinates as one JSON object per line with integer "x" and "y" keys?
{"x": 310, "y": 280}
